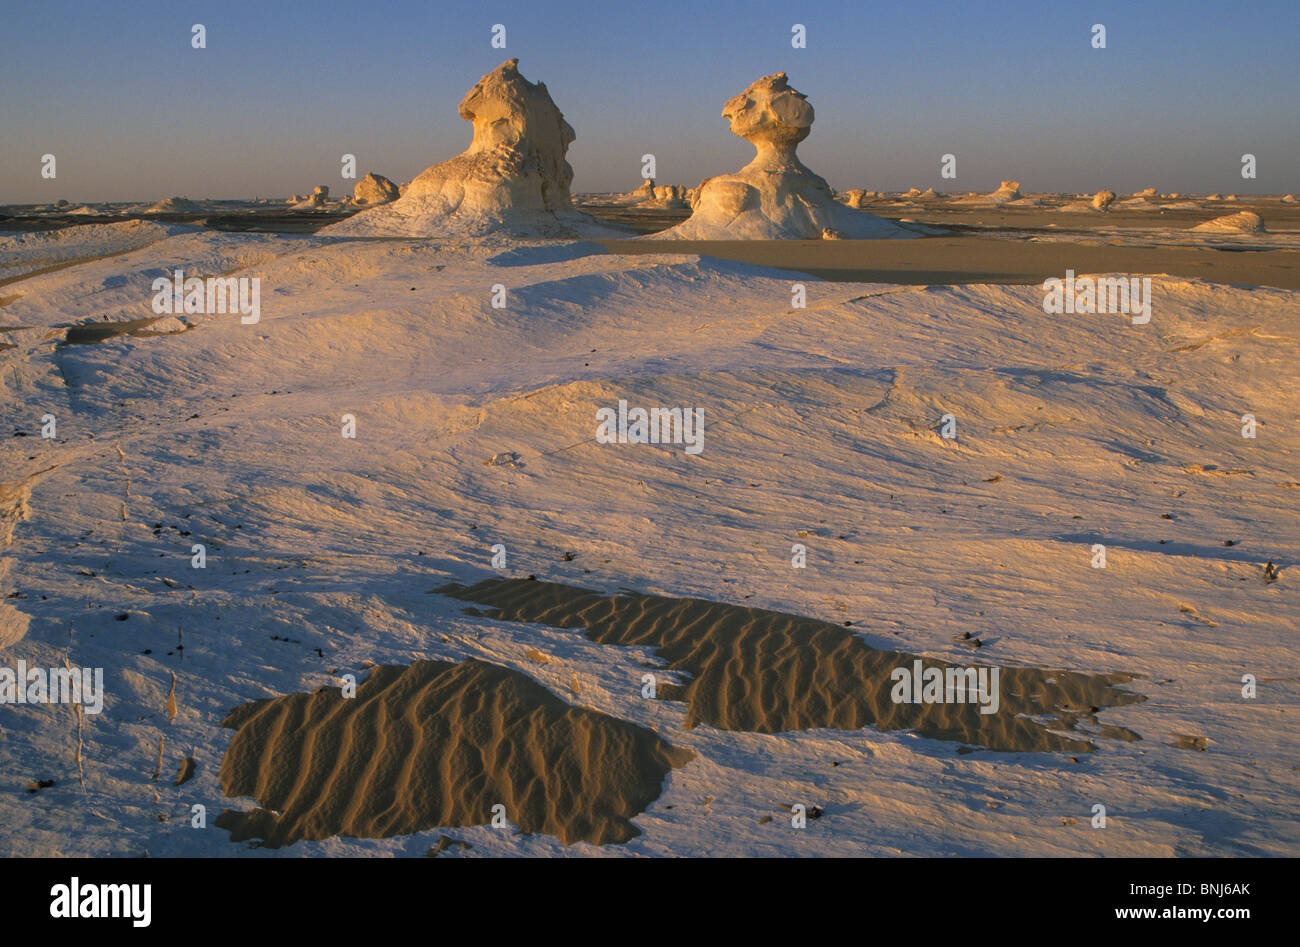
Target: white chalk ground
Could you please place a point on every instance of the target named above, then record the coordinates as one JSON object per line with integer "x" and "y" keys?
{"x": 821, "y": 428}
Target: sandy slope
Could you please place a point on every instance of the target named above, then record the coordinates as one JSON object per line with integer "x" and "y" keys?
{"x": 821, "y": 428}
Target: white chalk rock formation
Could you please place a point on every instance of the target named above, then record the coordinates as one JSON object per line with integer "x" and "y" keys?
{"x": 1244, "y": 222}
{"x": 774, "y": 197}
{"x": 375, "y": 189}
{"x": 671, "y": 196}
{"x": 1102, "y": 200}
{"x": 317, "y": 199}
{"x": 174, "y": 205}
{"x": 1289, "y": 199}
{"x": 856, "y": 198}
{"x": 512, "y": 179}
{"x": 1007, "y": 192}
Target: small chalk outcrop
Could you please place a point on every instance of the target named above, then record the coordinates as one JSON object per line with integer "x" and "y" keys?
{"x": 1289, "y": 199}
{"x": 375, "y": 189}
{"x": 513, "y": 178}
{"x": 1243, "y": 222}
{"x": 1102, "y": 200}
{"x": 669, "y": 196}
{"x": 774, "y": 197}
{"x": 856, "y": 198}
{"x": 316, "y": 200}
{"x": 174, "y": 205}
{"x": 651, "y": 195}
{"x": 1007, "y": 192}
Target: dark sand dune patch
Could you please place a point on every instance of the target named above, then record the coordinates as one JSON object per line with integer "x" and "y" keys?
{"x": 438, "y": 744}
{"x": 768, "y": 672}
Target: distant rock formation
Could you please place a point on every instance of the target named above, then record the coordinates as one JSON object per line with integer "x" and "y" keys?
{"x": 856, "y": 198}
{"x": 174, "y": 205}
{"x": 375, "y": 189}
{"x": 1007, "y": 192}
{"x": 669, "y": 195}
{"x": 513, "y": 177}
{"x": 1289, "y": 199}
{"x": 1147, "y": 192}
{"x": 774, "y": 197}
{"x": 1102, "y": 200}
{"x": 650, "y": 194}
{"x": 318, "y": 198}
{"x": 1243, "y": 222}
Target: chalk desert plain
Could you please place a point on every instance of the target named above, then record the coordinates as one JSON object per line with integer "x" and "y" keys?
{"x": 481, "y": 515}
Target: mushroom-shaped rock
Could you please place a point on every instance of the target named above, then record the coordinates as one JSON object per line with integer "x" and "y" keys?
{"x": 375, "y": 189}
{"x": 854, "y": 198}
{"x": 1102, "y": 200}
{"x": 774, "y": 197}
{"x": 512, "y": 178}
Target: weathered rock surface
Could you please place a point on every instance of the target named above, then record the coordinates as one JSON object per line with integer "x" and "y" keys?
{"x": 375, "y": 189}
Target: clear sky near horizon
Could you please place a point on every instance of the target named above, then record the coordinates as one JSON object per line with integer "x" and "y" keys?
{"x": 1014, "y": 89}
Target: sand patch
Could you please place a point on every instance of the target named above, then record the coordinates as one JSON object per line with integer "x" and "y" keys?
{"x": 768, "y": 672}
{"x": 438, "y": 744}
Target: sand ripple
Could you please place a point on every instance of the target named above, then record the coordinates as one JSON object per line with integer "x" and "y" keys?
{"x": 769, "y": 672}
{"x": 438, "y": 744}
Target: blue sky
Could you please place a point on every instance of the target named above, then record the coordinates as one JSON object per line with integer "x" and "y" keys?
{"x": 1014, "y": 90}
